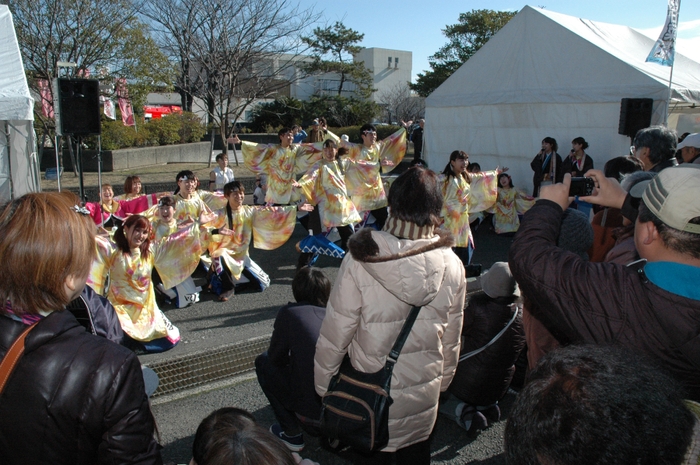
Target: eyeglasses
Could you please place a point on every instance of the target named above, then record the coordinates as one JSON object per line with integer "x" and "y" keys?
{"x": 368, "y": 132}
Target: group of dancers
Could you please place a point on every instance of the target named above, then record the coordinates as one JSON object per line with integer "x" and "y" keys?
{"x": 156, "y": 241}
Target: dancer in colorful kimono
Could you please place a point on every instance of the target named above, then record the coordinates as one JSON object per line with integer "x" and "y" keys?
{"x": 132, "y": 188}
{"x": 192, "y": 203}
{"x": 464, "y": 193}
{"x": 324, "y": 186}
{"x": 510, "y": 203}
{"x": 185, "y": 293}
{"x": 366, "y": 163}
{"x": 128, "y": 259}
{"x": 236, "y": 225}
{"x": 110, "y": 212}
{"x": 280, "y": 162}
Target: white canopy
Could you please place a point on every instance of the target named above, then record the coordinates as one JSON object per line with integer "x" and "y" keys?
{"x": 19, "y": 171}
{"x": 549, "y": 74}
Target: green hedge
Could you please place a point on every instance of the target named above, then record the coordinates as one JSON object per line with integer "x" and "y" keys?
{"x": 177, "y": 128}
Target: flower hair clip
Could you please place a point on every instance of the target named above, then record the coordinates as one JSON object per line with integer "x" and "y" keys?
{"x": 81, "y": 210}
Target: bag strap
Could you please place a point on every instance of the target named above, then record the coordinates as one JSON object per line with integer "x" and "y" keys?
{"x": 403, "y": 335}
{"x": 12, "y": 356}
{"x": 495, "y": 338}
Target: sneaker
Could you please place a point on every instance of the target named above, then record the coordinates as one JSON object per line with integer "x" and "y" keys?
{"x": 491, "y": 412}
{"x": 293, "y": 443}
{"x": 472, "y": 420}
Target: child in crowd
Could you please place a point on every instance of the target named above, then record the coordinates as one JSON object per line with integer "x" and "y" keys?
{"x": 220, "y": 175}
{"x": 510, "y": 205}
{"x": 132, "y": 188}
{"x": 492, "y": 338}
{"x": 235, "y": 225}
{"x": 128, "y": 259}
{"x": 465, "y": 192}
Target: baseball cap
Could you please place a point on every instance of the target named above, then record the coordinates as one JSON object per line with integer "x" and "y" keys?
{"x": 691, "y": 140}
{"x": 672, "y": 196}
{"x": 499, "y": 282}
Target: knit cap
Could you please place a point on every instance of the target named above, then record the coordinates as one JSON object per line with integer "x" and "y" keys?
{"x": 576, "y": 233}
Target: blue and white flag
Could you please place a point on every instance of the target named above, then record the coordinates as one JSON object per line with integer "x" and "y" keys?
{"x": 664, "y": 50}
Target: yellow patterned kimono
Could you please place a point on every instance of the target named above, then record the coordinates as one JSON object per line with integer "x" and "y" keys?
{"x": 462, "y": 197}
{"x": 131, "y": 290}
{"x": 280, "y": 165}
{"x": 270, "y": 227}
{"x": 363, "y": 177}
{"x": 509, "y": 205}
{"x": 200, "y": 202}
{"x": 324, "y": 186}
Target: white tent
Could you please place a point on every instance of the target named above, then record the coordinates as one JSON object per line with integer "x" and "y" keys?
{"x": 19, "y": 170}
{"x": 548, "y": 74}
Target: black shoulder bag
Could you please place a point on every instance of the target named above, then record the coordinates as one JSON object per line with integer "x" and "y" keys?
{"x": 355, "y": 409}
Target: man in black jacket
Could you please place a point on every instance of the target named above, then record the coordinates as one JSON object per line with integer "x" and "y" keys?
{"x": 286, "y": 371}
{"x": 651, "y": 307}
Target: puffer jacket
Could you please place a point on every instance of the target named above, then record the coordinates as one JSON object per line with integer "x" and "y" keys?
{"x": 483, "y": 379}
{"x": 73, "y": 398}
{"x": 378, "y": 283}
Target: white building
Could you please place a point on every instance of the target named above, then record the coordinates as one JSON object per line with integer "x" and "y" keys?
{"x": 389, "y": 68}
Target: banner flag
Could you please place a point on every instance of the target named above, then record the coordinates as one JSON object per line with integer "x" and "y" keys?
{"x": 124, "y": 104}
{"x": 664, "y": 50}
{"x": 46, "y": 98}
{"x": 109, "y": 108}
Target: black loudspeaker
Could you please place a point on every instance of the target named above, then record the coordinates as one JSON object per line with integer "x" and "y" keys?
{"x": 78, "y": 111}
{"x": 635, "y": 114}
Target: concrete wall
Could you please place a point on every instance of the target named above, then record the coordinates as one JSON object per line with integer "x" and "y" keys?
{"x": 198, "y": 152}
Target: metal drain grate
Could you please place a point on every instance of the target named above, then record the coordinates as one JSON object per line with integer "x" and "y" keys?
{"x": 195, "y": 370}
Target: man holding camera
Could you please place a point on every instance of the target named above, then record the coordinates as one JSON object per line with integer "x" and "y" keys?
{"x": 651, "y": 306}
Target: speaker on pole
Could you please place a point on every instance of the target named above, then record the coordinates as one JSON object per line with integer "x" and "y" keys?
{"x": 78, "y": 106}
{"x": 635, "y": 114}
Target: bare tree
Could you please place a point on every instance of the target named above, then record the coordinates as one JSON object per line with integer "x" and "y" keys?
{"x": 400, "y": 103}
{"x": 232, "y": 52}
{"x": 94, "y": 34}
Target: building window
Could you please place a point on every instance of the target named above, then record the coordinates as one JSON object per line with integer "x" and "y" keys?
{"x": 389, "y": 66}
{"x": 396, "y": 62}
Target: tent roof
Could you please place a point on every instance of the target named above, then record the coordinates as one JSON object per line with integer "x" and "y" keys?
{"x": 541, "y": 56}
{"x": 16, "y": 102}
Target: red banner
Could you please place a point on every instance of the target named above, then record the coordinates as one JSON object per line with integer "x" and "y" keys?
{"x": 46, "y": 98}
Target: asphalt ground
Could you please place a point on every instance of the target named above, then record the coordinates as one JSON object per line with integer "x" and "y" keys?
{"x": 211, "y": 324}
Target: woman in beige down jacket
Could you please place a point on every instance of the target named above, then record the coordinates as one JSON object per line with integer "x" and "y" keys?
{"x": 409, "y": 263}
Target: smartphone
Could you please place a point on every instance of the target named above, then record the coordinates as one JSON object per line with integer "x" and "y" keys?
{"x": 581, "y": 187}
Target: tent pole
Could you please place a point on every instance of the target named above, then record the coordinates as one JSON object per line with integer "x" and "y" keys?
{"x": 9, "y": 159}
{"x": 668, "y": 101}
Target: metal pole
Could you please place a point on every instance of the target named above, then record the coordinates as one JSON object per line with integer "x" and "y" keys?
{"x": 99, "y": 177}
{"x": 670, "y": 91}
{"x": 9, "y": 159}
{"x": 57, "y": 146}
